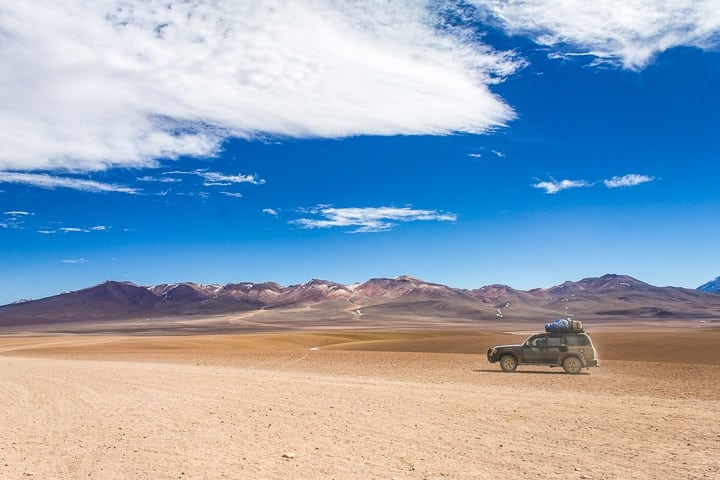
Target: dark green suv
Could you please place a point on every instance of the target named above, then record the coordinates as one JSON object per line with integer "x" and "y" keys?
{"x": 571, "y": 350}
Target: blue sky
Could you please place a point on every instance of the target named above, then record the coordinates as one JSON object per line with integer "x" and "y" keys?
{"x": 464, "y": 143}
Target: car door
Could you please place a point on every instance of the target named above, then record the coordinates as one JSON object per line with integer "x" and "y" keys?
{"x": 535, "y": 348}
{"x": 552, "y": 352}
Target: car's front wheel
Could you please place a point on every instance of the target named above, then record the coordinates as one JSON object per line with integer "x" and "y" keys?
{"x": 508, "y": 363}
{"x": 572, "y": 365}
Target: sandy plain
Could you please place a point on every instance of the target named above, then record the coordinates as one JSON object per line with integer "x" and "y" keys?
{"x": 363, "y": 404}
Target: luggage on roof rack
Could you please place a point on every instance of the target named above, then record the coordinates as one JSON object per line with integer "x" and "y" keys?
{"x": 564, "y": 325}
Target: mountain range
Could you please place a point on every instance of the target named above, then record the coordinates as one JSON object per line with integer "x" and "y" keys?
{"x": 616, "y": 298}
{"x": 712, "y": 286}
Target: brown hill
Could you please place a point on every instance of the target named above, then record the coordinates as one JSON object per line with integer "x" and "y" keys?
{"x": 410, "y": 301}
{"x": 110, "y": 299}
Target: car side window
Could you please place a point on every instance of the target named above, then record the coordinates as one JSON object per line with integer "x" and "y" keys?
{"x": 577, "y": 340}
{"x": 538, "y": 341}
{"x": 554, "y": 341}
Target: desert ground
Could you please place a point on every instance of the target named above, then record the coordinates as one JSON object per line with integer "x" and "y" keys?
{"x": 356, "y": 404}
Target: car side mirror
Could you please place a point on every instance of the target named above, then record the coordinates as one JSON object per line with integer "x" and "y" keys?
{"x": 563, "y": 348}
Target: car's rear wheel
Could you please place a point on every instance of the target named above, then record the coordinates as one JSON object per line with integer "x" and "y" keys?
{"x": 508, "y": 363}
{"x": 572, "y": 365}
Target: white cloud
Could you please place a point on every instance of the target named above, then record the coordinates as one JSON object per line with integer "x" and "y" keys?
{"x": 89, "y": 84}
{"x": 552, "y": 187}
{"x": 497, "y": 153}
{"x": 96, "y": 228}
{"x": 369, "y": 219}
{"x": 15, "y": 219}
{"x": 628, "y": 32}
{"x": 17, "y": 213}
{"x": 44, "y": 180}
{"x": 232, "y": 194}
{"x": 74, "y": 260}
{"x": 629, "y": 180}
{"x": 203, "y": 195}
{"x": 215, "y": 178}
{"x": 270, "y": 211}
{"x": 47, "y": 232}
{"x": 148, "y": 178}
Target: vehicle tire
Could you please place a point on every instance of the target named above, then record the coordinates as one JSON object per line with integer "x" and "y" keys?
{"x": 508, "y": 363}
{"x": 572, "y": 365}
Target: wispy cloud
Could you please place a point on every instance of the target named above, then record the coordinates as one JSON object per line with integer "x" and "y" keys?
{"x": 629, "y": 33}
{"x": 149, "y": 178}
{"x": 15, "y": 219}
{"x": 44, "y": 180}
{"x": 552, "y": 187}
{"x": 97, "y": 228}
{"x": 218, "y": 179}
{"x": 18, "y": 213}
{"x": 369, "y": 219}
{"x": 52, "y": 231}
{"x": 74, "y": 260}
{"x": 270, "y": 211}
{"x": 232, "y": 194}
{"x": 496, "y": 153}
{"x": 203, "y": 195}
{"x": 88, "y": 85}
{"x": 629, "y": 180}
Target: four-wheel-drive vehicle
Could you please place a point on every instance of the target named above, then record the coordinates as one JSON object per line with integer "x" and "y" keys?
{"x": 571, "y": 350}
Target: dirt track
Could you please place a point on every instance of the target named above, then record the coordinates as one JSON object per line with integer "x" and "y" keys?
{"x": 230, "y": 407}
